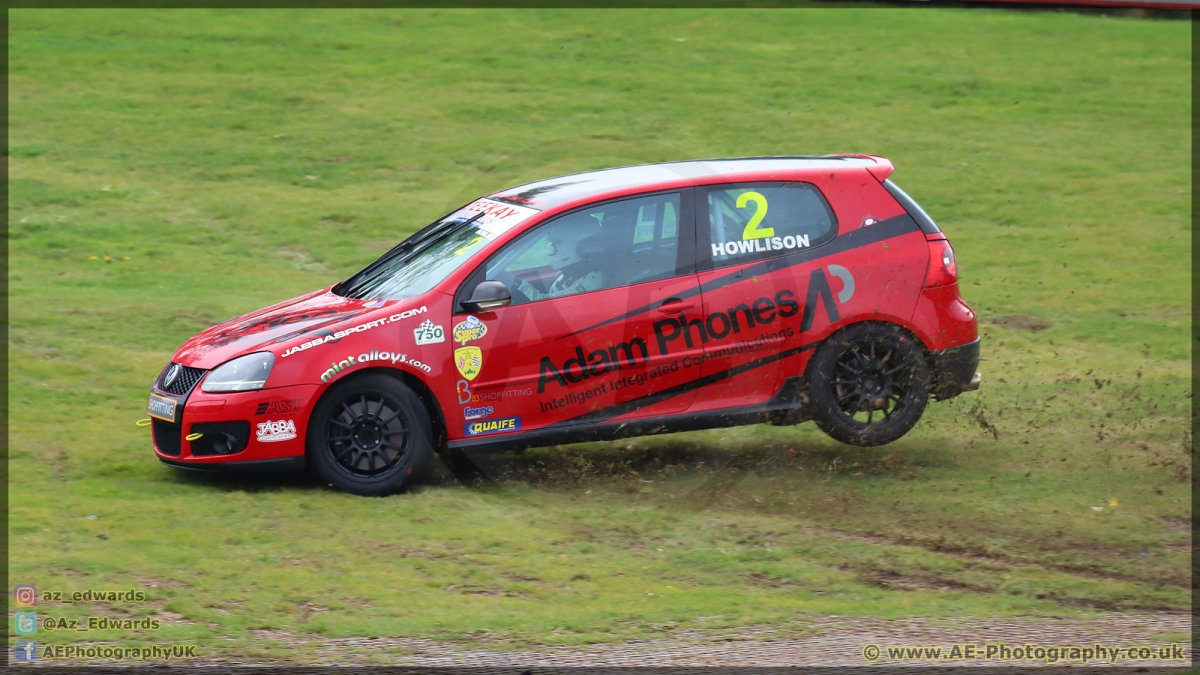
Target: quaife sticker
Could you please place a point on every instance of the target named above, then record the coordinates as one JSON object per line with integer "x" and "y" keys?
{"x": 427, "y": 333}
{"x": 471, "y": 329}
{"x": 271, "y": 432}
{"x": 492, "y": 426}
{"x": 469, "y": 361}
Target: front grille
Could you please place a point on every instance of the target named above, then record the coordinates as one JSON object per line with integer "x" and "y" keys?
{"x": 184, "y": 381}
{"x": 166, "y": 437}
{"x": 220, "y": 438}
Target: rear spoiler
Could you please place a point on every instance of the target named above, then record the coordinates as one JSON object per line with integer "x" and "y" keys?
{"x": 880, "y": 168}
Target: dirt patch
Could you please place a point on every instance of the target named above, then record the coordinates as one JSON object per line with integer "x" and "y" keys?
{"x": 174, "y": 619}
{"x": 148, "y": 582}
{"x": 976, "y": 554}
{"x": 1023, "y": 322}
{"x": 771, "y": 582}
{"x": 895, "y": 581}
{"x": 1175, "y": 524}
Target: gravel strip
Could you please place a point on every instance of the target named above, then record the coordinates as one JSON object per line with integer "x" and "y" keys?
{"x": 840, "y": 641}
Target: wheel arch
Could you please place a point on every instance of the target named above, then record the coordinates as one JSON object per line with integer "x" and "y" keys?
{"x": 892, "y": 321}
{"x": 437, "y": 419}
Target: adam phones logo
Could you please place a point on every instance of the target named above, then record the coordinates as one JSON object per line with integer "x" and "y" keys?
{"x": 669, "y": 332}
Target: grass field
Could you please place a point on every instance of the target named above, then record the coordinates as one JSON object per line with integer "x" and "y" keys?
{"x": 170, "y": 169}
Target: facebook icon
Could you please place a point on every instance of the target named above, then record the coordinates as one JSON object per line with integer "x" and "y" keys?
{"x": 25, "y": 651}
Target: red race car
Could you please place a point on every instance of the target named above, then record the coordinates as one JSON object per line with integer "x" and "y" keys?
{"x": 623, "y": 302}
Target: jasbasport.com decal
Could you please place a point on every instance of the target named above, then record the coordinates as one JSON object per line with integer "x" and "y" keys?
{"x": 334, "y": 337}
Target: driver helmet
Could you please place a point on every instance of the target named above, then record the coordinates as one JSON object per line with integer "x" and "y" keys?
{"x": 565, "y": 238}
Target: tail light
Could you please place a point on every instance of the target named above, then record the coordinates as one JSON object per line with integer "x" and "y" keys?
{"x": 943, "y": 268}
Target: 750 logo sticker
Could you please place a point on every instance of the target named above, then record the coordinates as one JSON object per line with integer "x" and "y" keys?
{"x": 427, "y": 333}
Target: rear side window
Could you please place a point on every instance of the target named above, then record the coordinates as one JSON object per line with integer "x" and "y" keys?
{"x": 912, "y": 207}
{"x": 753, "y": 221}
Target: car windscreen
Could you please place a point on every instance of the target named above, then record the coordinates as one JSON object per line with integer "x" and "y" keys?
{"x": 423, "y": 260}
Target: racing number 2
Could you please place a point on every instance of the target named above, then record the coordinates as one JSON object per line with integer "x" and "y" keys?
{"x": 752, "y": 230}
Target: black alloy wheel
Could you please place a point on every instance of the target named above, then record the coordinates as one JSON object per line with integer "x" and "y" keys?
{"x": 868, "y": 384}
{"x": 367, "y": 436}
{"x": 370, "y": 435}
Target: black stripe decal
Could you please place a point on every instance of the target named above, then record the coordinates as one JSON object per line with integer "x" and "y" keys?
{"x": 671, "y": 392}
{"x": 863, "y": 236}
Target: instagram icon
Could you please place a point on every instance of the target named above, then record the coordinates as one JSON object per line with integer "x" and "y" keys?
{"x": 25, "y": 595}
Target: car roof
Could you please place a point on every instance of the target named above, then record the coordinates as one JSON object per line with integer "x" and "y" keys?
{"x": 552, "y": 192}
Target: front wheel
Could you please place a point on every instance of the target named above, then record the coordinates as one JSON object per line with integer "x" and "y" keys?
{"x": 370, "y": 435}
{"x": 868, "y": 384}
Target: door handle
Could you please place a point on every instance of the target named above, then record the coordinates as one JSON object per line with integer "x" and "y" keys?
{"x": 675, "y": 305}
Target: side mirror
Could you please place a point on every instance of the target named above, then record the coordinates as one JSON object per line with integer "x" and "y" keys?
{"x": 488, "y": 295}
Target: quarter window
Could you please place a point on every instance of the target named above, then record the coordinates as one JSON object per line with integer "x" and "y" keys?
{"x": 610, "y": 245}
{"x": 754, "y": 221}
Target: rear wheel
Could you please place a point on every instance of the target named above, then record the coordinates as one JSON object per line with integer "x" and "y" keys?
{"x": 868, "y": 384}
{"x": 370, "y": 436}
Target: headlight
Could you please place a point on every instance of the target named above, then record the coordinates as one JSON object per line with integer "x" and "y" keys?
{"x": 241, "y": 374}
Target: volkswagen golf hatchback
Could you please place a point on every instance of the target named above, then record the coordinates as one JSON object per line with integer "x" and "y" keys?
{"x": 623, "y": 302}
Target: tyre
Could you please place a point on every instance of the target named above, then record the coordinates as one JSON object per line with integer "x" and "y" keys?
{"x": 868, "y": 384}
{"x": 369, "y": 435}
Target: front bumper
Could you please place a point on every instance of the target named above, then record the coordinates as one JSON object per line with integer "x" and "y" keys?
{"x": 235, "y": 429}
{"x": 285, "y": 464}
{"x": 954, "y": 370}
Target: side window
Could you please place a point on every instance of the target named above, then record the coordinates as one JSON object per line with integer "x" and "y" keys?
{"x": 606, "y": 246}
{"x": 763, "y": 220}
